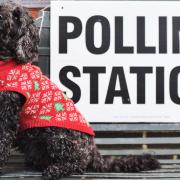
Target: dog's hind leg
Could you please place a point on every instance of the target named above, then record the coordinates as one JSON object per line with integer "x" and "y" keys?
{"x": 55, "y": 151}
{"x": 65, "y": 169}
{"x": 10, "y": 108}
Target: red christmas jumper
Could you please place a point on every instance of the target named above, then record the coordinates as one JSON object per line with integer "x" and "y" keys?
{"x": 45, "y": 104}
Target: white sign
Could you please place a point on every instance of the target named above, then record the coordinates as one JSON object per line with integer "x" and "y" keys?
{"x": 119, "y": 61}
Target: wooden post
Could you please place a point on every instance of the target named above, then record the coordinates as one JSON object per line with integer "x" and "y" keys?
{"x": 144, "y": 146}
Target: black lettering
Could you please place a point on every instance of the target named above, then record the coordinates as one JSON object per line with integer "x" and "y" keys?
{"x": 117, "y": 72}
{"x": 141, "y": 72}
{"x": 69, "y": 83}
{"x": 119, "y": 47}
{"x": 94, "y": 81}
{"x": 64, "y": 35}
{"x": 162, "y": 35}
{"x": 176, "y": 30}
{"x": 90, "y": 34}
{"x": 174, "y": 93}
{"x": 141, "y": 45}
{"x": 160, "y": 85}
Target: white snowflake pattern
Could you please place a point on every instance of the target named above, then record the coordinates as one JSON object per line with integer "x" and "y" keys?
{"x": 13, "y": 84}
{"x": 47, "y": 96}
{"x": 45, "y": 85}
{"x": 73, "y": 117}
{"x": 35, "y": 75}
{"x": 35, "y": 117}
{"x": 2, "y": 83}
{"x": 23, "y": 77}
{"x": 26, "y": 85}
{"x": 57, "y": 96}
{"x": 70, "y": 106}
{"x": 53, "y": 86}
{"x": 13, "y": 75}
{"x": 82, "y": 119}
{"x": 46, "y": 109}
{"x": 35, "y": 97}
{"x": 27, "y": 67}
{"x": 32, "y": 109}
{"x": 61, "y": 116}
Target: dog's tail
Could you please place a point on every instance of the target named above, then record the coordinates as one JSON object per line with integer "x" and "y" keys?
{"x": 129, "y": 163}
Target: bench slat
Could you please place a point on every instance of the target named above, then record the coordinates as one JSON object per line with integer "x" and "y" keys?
{"x": 99, "y": 178}
{"x": 21, "y": 163}
{"x": 163, "y": 174}
{"x": 116, "y": 141}
{"x": 132, "y": 175}
{"x": 100, "y": 175}
{"x": 141, "y": 151}
{"x": 117, "y": 127}
{"x": 169, "y": 161}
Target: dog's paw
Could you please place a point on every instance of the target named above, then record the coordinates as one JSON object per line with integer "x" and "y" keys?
{"x": 51, "y": 173}
{"x": 150, "y": 162}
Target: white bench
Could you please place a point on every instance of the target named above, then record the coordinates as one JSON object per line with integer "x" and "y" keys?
{"x": 162, "y": 140}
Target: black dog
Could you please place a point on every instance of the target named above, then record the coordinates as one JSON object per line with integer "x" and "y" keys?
{"x": 58, "y": 152}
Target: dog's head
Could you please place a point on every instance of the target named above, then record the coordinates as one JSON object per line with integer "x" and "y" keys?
{"x": 19, "y": 37}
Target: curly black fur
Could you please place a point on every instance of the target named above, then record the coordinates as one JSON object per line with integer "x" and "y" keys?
{"x": 10, "y": 108}
{"x": 56, "y": 151}
{"x": 18, "y": 33}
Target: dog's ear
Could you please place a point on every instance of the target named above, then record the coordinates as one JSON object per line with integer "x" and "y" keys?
{"x": 26, "y": 36}
{"x": 26, "y": 47}
{"x": 17, "y": 12}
